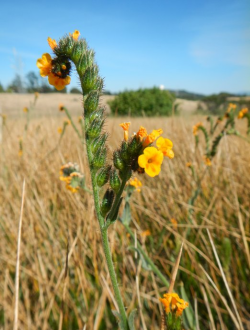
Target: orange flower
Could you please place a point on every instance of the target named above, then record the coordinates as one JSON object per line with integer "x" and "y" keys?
{"x": 195, "y": 128}
{"x": 25, "y": 109}
{"x": 188, "y": 164}
{"x": 52, "y": 43}
{"x": 44, "y": 64}
{"x": 174, "y": 222}
{"x": 75, "y": 35}
{"x": 152, "y": 137}
{"x": 142, "y": 133}
{"x": 61, "y": 107}
{"x": 135, "y": 183}
{"x": 173, "y": 303}
{"x": 59, "y": 130}
{"x": 58, "y": 82}
{"x": 146, "y": 233}
{"x": 207, "y": 161}
{"x": 125, "y": 127}
{"x": 151, "y": 161}
{"x": 165, "y": 146}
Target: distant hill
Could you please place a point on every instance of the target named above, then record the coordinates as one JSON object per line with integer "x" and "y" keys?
{"x": 182, "y": 94}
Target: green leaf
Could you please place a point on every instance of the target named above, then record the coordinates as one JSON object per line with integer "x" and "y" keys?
{"x": 126, "y": 215}
{"x": 118, "y": 316}
{"x": 144, "y": 262}
{"x": 131, "y": 319}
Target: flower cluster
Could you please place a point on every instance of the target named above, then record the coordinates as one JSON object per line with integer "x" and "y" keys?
{"x": 140, "y": 155}
{"x": 58, "y": 69}
{"x": 173, "y": 303}
{"x": 70, "y": 174}
{"x": 242, "y": 113}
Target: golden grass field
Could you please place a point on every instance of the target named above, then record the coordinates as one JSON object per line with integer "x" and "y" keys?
{"x": 56, "y": 221}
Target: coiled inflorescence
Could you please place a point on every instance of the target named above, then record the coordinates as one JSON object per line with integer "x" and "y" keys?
{"x": 136, "y": 153}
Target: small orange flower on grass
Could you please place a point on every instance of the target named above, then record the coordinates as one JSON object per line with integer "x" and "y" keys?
{"x": 61, "y": 107}
{"x": 44, "y": 64}
{"x": 146, "y": 233}
{"x": 173, "y": 303}
{"x": 207, "y": 161}
{"x": 142, "y": 133}
{"x": 52, "y": 43}
{"x": 125, "y": 127}
{"x": 25, "y": 109}
{"x": 242, "y": 113}
{"x": 59, "y": 130}
{"x": 165, "y": 146}
{"x": 151, "y": 161}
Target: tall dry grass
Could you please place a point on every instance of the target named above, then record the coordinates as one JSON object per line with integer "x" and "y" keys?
{"x": 63, "y": 277}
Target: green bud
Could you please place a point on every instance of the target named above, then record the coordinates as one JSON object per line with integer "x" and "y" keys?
{"x": 114, "y": 180}
{"x": 107, "y": 202}
{"x": 103, "y": 176}
{"x": 89, "y": 79}
{"x": 95, "y": 128}
{"x": 64, "y": 47}
{"x": 78, "y": 49}
{"x": 100, "y": 159}
{"x": 91, "y": 102}
{"x": 96, "y": 114}
{"x": 86, "y": 60}
{"x": 124, "y": 151}
{"x": 134, "y": 146}
{"x": 98, "y": 143}
{"x": 118, "y": 162}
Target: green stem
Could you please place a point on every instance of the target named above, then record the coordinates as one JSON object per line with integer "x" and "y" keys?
{"x": 72, "y": 123}
{"x": 117, "y": 200}
{"x": 104, "y": 233}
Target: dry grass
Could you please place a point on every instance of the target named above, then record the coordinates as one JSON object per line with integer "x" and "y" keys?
{"x": 53, "y": 219}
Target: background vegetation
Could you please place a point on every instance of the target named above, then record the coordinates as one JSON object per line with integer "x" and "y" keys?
{"x": 57, "y": 224}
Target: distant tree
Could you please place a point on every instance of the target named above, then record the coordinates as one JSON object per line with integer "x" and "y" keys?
{"x": 105, "y": 92}
{"x": 1, "y": 88}
{"x": 32, "y": 82}
{"x": 16, "y": 85}
{"x": 75, "y": 90}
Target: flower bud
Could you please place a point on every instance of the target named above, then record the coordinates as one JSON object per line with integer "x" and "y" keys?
{"x": 85, "y": 61}
{"x": 96, "y": 114}
{"x": 95, "y": 128}
{"x": 65, "y": 47}
{"x": 103, "y": 176}
{"x": 98, "y": 143}
{"x": 118, "y": 162}
{"x": 89, "y": 79}
{"x": 124, "y": 151}
{"x": 114, "y": 180}
{"x": 91, "y": 102}
{"x": 134, "y": 146}
{"x": 107, "y": 202}
{"x": 77, "y": 50}
{"x": 100, "y": 159}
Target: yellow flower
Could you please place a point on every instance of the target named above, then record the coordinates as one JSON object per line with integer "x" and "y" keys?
{"x": 58, "y": 82}
{"x": 165, "y": 146}
{"x": 44, "y": 64}
{"x": 146, "y": 233}
{"x": 75, "y": 35}
{"x": 231, "y": 106}
{"x": 59, "y": 130}
{"x": 242, "y": 113}
{"x": 207, "y": 161}
{"x": 61, "y": 107}
{"x": 135, "y": 183}
{"x": 151, "y": 161}
{"x": 52, "y": 43}
{"x": 195, "y": 128}
{"x": 173, "y": 303}
{"x": 73, "y": 190}
{"x": 25, "y": 109}
{"x": 20, "y": 153}
{"x": 152, "y": 137}
{"x": 125, "y": 127}
{"x": 188, "y": 164}
{"x": 80, "y": 119}
{"x": 142, "y": 133}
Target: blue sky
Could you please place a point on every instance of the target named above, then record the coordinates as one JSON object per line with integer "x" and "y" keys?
{"x": 199, "y": 46}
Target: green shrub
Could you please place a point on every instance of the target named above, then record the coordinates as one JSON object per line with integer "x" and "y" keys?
{"x": 148, "y": 102}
